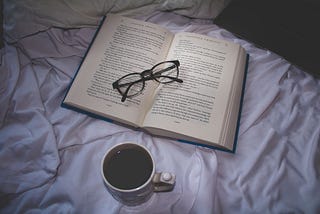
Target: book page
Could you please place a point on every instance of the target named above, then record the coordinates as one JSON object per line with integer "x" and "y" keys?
{"x": 122, "y": 46}
{"x": 198, "y": 106}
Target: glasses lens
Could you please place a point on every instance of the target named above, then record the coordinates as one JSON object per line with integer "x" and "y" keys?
{"x": 133, "y": 80}
{"x": 166, "y": 72}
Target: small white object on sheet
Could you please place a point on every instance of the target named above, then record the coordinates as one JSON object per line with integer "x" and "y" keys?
{"x": 50, "y": 156}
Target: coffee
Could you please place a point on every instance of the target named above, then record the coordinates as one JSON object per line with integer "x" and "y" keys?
{"x": 128, "y": 168}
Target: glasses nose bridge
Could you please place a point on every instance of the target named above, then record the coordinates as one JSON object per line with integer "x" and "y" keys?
{"x": 146, "y": 73}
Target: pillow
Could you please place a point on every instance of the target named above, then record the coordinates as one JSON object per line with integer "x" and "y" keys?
{"x": 23, "y": 18}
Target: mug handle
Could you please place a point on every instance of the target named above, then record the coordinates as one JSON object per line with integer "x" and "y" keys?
{"x": 163, "y": 181}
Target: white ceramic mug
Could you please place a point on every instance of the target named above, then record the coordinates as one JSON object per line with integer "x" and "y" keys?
{"x": 128, "y": 170}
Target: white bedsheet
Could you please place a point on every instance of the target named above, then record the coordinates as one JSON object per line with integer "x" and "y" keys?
{"x": 50, "y": 156}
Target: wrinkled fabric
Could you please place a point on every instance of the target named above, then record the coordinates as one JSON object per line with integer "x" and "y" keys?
{"x": 50, "y": 156}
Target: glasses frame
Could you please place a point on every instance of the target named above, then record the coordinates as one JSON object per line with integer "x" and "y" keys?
{"x": 147, "y": 75}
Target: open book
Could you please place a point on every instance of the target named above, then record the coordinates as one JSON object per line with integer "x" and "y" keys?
{"x": 204, "y": 109}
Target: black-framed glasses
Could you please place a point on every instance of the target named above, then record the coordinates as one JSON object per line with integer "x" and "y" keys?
{"x": 133, "y": 84}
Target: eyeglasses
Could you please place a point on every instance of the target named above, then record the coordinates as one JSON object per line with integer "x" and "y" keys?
{"x": 133, "y": 84}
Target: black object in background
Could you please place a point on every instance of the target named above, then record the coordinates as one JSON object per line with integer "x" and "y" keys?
{"x": 290, "y": 28}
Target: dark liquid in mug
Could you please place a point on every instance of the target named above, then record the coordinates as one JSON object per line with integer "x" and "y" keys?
{"x": 128, "y": 168}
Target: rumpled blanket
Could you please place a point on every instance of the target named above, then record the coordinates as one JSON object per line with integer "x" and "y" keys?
{"x": 50, "y": 156}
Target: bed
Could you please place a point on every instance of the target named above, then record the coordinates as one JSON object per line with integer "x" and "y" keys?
{"x": 50, "y": 156}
